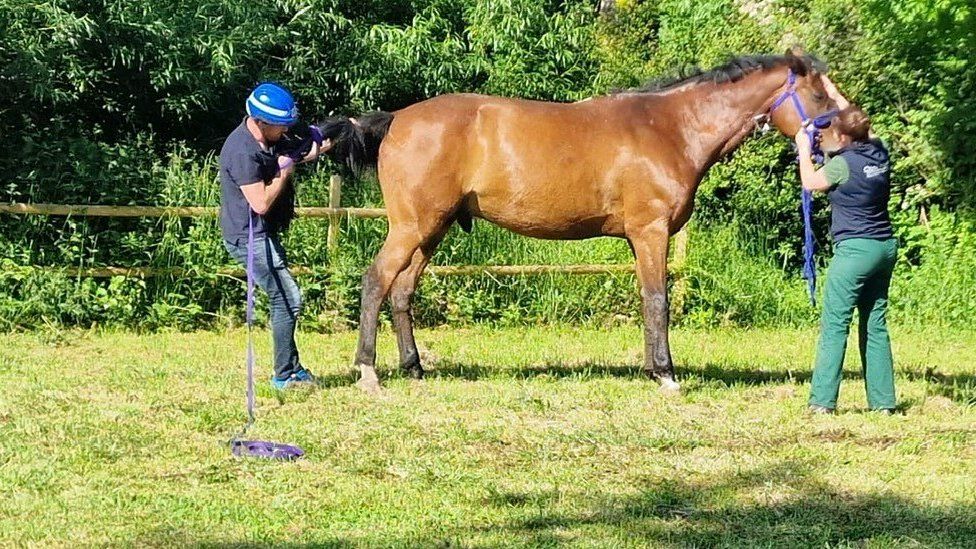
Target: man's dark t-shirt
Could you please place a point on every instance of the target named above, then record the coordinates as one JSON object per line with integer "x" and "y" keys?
{"x": 243, "y": 162}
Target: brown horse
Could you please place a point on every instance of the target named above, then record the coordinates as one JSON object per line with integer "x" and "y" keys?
{"x": 626, "y": 165}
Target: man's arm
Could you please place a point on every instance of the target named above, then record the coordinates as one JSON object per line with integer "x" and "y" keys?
{"x": 261, "y": 196}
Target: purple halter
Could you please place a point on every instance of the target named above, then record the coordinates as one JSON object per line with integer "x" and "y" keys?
{"x": 812, "y": 127}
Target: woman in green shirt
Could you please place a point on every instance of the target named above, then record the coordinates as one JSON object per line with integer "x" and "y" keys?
{"x": 856, "y": 179}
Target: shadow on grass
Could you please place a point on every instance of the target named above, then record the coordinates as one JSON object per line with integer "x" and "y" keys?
{"x": 783, "y": 505}
{"x": 322, "y": 382}
{"x": 785, "y": 508}
{"x": 960, "y": 388}
{"x": 336, "y": 380}
{"x": 709, "y": 372}
{"x": 581, "y": 370}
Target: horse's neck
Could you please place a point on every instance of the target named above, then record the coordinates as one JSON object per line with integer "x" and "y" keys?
{"x": 720, "y": 116}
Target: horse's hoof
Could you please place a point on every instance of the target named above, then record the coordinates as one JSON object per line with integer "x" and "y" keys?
{"x": 669, "y": 386}
{"x": 370, "y": 386}
{"x": 413, "y": 372}
{"x": 368, "y": 381}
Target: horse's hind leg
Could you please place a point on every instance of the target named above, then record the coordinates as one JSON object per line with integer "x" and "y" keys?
{"x": 401, "y": 296}
{"x": 395, "y": 255}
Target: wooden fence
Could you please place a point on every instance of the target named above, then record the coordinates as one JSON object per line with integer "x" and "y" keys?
{"x": 334, "y": 213}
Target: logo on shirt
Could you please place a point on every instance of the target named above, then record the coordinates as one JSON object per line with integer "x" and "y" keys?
{"x": 875, "y": 171}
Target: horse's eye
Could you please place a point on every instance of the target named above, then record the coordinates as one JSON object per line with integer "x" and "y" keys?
{"x": 819, "y": 96}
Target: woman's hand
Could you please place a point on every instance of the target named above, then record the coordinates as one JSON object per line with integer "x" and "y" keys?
{"x": 833, "y": 92}
{"x": 829, "y": 85}
{"x": 811, "y": 178}
{"x": 803, "y": 145}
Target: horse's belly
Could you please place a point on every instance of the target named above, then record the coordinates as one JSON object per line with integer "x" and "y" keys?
{"x": 544, "y": 215}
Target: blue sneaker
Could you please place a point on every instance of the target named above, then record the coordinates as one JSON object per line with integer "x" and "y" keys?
{"x": 304, "y": 376}
{"x": 301, "y": 377}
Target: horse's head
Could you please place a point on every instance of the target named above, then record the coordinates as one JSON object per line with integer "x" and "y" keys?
{"x": 803, "y": 97}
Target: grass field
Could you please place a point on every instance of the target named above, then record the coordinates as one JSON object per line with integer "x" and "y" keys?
{"x": 533, "y": 437}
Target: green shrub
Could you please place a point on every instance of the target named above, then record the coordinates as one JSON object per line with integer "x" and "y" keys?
{"x": 128, "y": 102}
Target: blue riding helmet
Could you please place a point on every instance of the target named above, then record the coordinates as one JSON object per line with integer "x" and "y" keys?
{"x": 273, "y": 104}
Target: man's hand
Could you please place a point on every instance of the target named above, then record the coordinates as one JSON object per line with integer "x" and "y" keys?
{"x": 285, "y": 166}
{"x": 313, "y": 153}
{"x": 317, "y": 150}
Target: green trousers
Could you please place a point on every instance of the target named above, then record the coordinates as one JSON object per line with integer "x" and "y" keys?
{"x": 859, "y": 276}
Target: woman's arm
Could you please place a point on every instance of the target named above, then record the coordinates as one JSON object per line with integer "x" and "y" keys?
{"x": 834, "y": 93}
{"x": 842, "y": 102}
{"x": 811, "y": 178}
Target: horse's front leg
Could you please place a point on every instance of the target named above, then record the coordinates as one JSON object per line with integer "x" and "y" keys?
{"x": 650, "y": 245}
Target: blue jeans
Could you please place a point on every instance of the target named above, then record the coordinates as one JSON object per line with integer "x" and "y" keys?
{"x": 285, "y": 300}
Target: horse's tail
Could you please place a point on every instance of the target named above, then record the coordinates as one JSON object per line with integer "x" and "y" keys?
{"x": 356, "y": 142}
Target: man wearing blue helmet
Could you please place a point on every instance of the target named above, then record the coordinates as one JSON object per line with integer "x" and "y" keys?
{"x": 254, "y": 188}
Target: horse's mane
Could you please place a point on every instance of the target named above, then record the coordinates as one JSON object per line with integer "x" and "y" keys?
{"x": 733, "y": 70}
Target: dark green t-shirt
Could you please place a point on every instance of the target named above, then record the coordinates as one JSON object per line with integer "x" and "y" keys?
{"x": 859, "y": 175}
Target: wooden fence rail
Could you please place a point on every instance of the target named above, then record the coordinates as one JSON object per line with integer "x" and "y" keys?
{"x": 169, "y": 211}
{"x": 437, "y": 270}
{"x": 334, "y": 213}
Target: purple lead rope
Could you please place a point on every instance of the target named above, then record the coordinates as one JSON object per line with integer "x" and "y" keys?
{"x": 256, "y": 448}
{"x": 806, "y": 198}
{"x": 237, "y": 445}
{"x": 806, "y": 201}
{"x": 249, "y": 317}
{"x": 809, "y": 265}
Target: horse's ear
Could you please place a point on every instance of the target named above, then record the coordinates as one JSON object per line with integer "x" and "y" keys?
{"x": 818, "y": 65}
{"x": 798, "y": 60}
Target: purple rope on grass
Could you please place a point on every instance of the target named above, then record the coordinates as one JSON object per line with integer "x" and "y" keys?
{"x": 256, "y": 448}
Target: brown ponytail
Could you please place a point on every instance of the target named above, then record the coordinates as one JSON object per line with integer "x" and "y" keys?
{"x": 854, "y": 123}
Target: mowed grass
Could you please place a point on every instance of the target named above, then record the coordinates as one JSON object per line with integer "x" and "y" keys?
{"x": 519, "y": 437}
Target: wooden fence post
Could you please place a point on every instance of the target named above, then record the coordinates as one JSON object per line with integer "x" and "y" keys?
{"x": 680, "y": 287}
{"x": 335, "y": 198}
